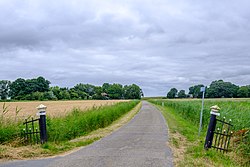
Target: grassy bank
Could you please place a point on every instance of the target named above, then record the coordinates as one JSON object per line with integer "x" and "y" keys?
{"x": 183, "y": 118}
{"x": 74, "y": 124}
{"x": 236, "y": 109}
{"x": 57, "y": 147}
{"x": 79, "y": 123}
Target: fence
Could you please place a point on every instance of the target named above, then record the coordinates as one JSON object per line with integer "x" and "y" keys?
{"x": 30, "y": 133}
{"x": 222, "y": 135}
{"x": 221, "y": 131}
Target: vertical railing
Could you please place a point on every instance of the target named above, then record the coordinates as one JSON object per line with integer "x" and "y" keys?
{"x": 30, "y": 134}
{"x": 222, "y": 134}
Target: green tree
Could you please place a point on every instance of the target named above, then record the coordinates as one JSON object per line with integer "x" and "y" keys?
{"x": 218, "y": 89}
{"x": 4, "y": 89}
{"x": 73, "y": 94}
{"x": 22, "y": 89}
{"x": 49, "y": 96}
{"x": 42, "y": 85}
{"x": 195, "y": 91}
{"x": 56, "y": 91}
{"x": 85, "y": 90}
{"x": 132, "y": 92}
{"x": 64, "y": 93}
{"x": 248, "y": 90}
{"x": 17, "y": 89}
{"x": 243, "y": 91}
{"x": 172, "y": 93}
{"x": 182, "y": 94}
{"x": 105, "y": 87}
{"x": 98, "y": 93}
{"x": 37, "y": 96}
{"x": 115, "y": 91}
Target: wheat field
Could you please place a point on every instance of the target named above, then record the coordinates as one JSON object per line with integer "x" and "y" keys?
{"x": 54, "y": 108}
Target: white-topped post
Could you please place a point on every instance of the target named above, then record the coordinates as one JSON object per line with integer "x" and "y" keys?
{"x": 42, "y": 123}
{"x": 211, "y": 127}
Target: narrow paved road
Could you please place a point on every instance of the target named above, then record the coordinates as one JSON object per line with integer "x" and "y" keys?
{"x": 140, "y": 143}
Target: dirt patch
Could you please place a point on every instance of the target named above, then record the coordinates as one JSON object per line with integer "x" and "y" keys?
{"x": 178, "y": 146}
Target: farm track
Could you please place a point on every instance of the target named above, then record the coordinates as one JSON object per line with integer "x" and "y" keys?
{"x": 142, "y": 142}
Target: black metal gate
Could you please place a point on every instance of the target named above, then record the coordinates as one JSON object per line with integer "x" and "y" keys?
{"x": 223, "y": 134}
{"x": 30, "y": 133}
{"x": 218, "y": 134}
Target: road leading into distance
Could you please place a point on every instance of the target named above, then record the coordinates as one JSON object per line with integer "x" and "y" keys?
{"x": 140, "y": 143}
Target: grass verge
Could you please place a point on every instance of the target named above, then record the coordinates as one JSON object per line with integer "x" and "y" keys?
{"x": 188, "y": 148}
{"x": 8, "y": 152}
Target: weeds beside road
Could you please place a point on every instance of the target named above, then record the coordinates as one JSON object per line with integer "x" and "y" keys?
{"x": 188, "y": 148}
{"x": 61, "y": 130}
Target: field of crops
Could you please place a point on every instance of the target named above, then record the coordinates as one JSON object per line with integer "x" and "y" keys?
{"x": 54, "y": 108}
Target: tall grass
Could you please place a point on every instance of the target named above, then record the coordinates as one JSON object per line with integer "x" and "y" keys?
{"x": 238, "y": 110}
{"x": 8, "y": 129}
{"x": 76, "y": 123}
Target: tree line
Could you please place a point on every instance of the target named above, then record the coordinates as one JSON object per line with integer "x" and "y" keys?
{"x": 39, "y": 89}
{"x": 217, "y": 89}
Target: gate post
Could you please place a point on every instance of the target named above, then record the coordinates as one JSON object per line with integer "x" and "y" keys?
{"x": 42, "y": 123}
{"x": 211, "y": 127}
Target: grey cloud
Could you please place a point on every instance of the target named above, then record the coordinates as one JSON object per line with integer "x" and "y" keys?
{"x": 156, "y": 44}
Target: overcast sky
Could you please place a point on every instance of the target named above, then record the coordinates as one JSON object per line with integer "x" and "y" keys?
{"x": 155, "y": 44}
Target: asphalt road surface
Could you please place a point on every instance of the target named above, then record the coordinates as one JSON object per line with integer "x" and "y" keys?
{"x": 140, "y": 143}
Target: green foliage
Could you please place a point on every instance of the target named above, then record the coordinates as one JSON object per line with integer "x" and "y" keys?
{"x": 115, "y": 91}
{"x": 86, "y": 88}
{"x": 236, "y": 110}
{"x": 132, "y": 92}
{"x": 78, "y": 123}
{"x": 218, "y": 89}
{"x": 182, "y": 94}
{"x": 195, "y": 91}
{"x": 243, "y": 91}
{"x": 195, "y": 154}
{"x": 8, "y": 132}
{"x": 21, "y": 89}
{"x": 172, "y": 93}
{"x": 38, "y": 89}
{"x": 4, "y": 89}
{"x": 55, "y": 148}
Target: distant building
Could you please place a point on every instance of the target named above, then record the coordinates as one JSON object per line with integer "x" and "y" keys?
{"x": 105, "y": 95}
